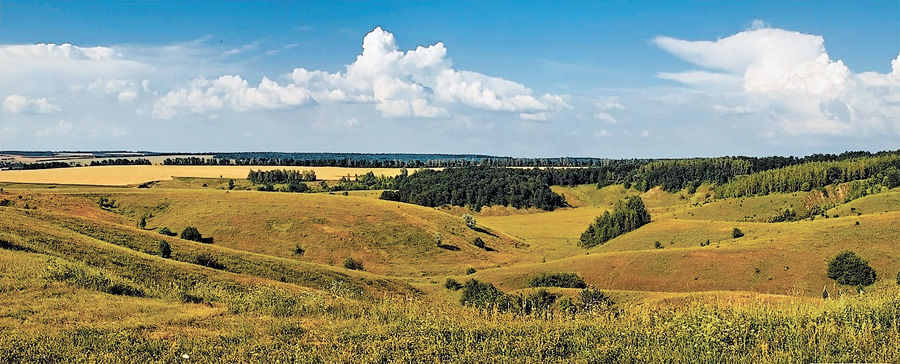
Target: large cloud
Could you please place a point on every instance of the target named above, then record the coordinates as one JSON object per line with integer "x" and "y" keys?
{"x": 790, "y": 80}
{"x": 416, "y": 83}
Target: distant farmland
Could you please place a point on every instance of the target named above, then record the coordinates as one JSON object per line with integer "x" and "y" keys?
{"x": 131, "y": 175}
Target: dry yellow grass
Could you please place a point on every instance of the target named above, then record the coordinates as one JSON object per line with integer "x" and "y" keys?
{"x": 131, "y": 175}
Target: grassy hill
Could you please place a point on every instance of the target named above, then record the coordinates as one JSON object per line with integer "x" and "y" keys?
{"x": 81, "y": 282}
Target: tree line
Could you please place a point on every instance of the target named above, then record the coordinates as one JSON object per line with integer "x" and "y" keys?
{"x": 280, "y": 176}
{"x": 813, "y": 175}
{"x": 122, "y": 162}
{"x": 477, "y": 187}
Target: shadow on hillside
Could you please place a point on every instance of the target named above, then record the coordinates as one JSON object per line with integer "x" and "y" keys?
{"x": 449, "y": 247}
{"x": 484, "y": 231}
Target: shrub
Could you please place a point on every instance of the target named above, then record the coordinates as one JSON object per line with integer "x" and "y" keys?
{"x": 298, "y": 250}
{"x": 736, "y": 233}
{"x": 482, "y": 295}
{"x": 564, "y": 280}
{"x": 898, "y": 277}
{"x": 478, "y": 242}
{"x": 164, "y": 249}
{"x": 470, "y": 271}
{"x": 191, "y": 233}
{"x": 594, "y": 298}
{"x": 165, "y": 231}
{"x": 657, "y": 245}
{"x": 143, "y": 223}
{"x": 470, "y": 220}
{"x": 452, "y": 284}
{"x": 848, "y": 268}
{"x": 353, "y": 264}
{"x": 207, "y": 260}
{"x": 538, "y": 301}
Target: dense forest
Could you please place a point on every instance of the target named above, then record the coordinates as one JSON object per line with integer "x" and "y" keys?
{"x": 626, "y": 216}
{"x": 805, "y": 177}
{"x": 477, "y": 187}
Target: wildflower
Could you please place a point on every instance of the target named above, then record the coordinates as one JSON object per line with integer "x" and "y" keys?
{"x": 185, "y": 356}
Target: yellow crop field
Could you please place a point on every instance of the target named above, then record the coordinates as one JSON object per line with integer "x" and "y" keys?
{"x": 132, "y": 175}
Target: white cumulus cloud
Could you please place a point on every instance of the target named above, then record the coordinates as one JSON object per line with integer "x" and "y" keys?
{"x": 18, "y": 104}
{"x": 788, "y": 83}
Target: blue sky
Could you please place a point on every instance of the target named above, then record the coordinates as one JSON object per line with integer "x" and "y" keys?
{"x": 605, "y": 79}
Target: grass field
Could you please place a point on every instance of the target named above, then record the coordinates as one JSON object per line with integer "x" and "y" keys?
{"x": 83, "y": 283}
{"x": 133, "y": 175}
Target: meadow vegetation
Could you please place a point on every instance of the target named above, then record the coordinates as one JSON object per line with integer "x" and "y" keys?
{"x": 322, "y": 277}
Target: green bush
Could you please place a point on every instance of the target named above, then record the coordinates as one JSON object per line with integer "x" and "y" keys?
{"x": 482, "y": 295}
{"x": 191, "y": 233}
{"x": 594, "y": 298}
{"x": 452, "y": 284}
{"x": 164, "y": 249}
{"x": 165, "y": 231}
{"x": 478, "y": 242}
{"x": 564, "y": 280}
{"x": 736, "y": 233}
{"x": 848, "y": 268}
{"x": 353, "y": 264}
{"x": 657, "y": 245}
{"x": 470, "y": 271}
{"x": 298, "y": 250}
{"x": 207, "y": 260}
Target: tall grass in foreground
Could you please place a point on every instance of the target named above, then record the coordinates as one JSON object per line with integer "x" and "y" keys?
{"x": 290, "y": 327}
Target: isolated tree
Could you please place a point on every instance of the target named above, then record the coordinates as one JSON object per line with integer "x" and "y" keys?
{"x": 191, "y": 233}
{"x": 848, "y": 268}
{"x": 164, "y": 249}
{"x": 470, "y": 220}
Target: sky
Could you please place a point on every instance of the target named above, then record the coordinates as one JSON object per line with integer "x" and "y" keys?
{"x": 616, "y": 79}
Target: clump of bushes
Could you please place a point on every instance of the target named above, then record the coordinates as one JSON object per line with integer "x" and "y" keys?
{"x": 353, "y": 264}
{"x": 485, "y": 295}
{"x": 207, "y": 260}
{"x": 564, "y": 280}
{"x": 452, "y": 284}
{"x": 848, "y": 268}
{"x": 165, "y": 231}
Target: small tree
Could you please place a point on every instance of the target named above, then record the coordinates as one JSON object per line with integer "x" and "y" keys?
{"x": 298, "y": 250}
{"x": 470, "y": 220}
{"x": 657, "y": 245}
{"x": 143, "y": 223}
{"x": 848, "y": 268}
{"x": 736, "y": 233}
{"x": 164, "y": 249}
{"x": 230, "y": 184}
{"x": 165, "y": 231}
{"x": 191, "y": 233}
